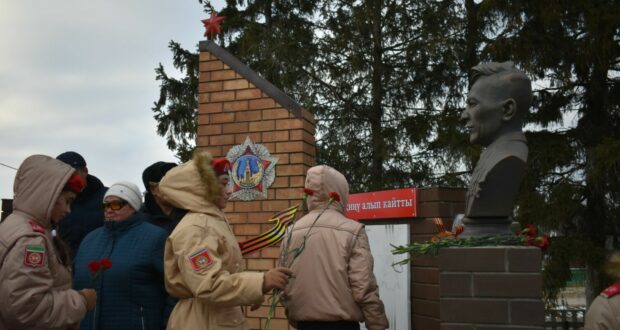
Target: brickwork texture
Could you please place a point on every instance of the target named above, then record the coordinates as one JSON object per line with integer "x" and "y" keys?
{"x": 491, "y": 288}
{"x": 232, "y": 108}
{"x": 436, "y": 202}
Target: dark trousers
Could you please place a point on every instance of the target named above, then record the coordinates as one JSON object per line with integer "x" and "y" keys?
{"x": 334, "y": 325}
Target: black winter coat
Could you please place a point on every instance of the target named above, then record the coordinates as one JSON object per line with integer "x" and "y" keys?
{"x": 86, "y": 214}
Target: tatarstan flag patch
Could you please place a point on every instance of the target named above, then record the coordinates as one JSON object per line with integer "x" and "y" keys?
{"x": 200, "y": 260}
{"x": 34, "y": 256}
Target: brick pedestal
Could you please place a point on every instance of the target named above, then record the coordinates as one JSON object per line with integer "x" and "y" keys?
{"x": 491, "y": 288}
{"x": 435, "y": 202}
{"x": 234, "y": 103}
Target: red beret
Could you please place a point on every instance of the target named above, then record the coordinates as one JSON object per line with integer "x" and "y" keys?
{"x": 221, "y": 166}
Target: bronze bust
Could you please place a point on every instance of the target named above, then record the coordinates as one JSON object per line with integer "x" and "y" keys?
{"x": 498, "y": 100}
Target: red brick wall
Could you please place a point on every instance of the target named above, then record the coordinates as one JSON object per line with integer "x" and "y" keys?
{"x": 491, "y": 288}
{"x": 442, "y": 203}
{"x": 231, "y": 108}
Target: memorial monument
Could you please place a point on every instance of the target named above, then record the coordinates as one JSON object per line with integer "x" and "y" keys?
{"x": 498, "y": 101}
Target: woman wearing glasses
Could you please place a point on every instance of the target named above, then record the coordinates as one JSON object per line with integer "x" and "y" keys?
{"x": 131, "y": 293}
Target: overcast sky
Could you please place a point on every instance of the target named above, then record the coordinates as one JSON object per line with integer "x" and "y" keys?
{"x": 79, "y": 75}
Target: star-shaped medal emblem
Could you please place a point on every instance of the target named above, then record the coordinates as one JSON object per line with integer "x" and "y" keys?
{"x": 253, "y": 170}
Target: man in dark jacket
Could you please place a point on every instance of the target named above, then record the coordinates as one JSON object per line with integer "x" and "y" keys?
{"x": 86, "y": 212}
{"x": 159, "y": 211}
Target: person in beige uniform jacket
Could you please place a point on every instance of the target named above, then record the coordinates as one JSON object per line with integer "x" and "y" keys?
{"x": 604, "y": 313}
{"x": 35, "y": 278}
{"x": 334, "y": 285}
{"x": 202, "y": 260}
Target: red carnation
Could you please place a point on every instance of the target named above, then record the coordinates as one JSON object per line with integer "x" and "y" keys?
{"x": 106, "y": 263}
{"x": 94, "y": 266}
{"x": 530, "y": 231}
{"x": 541, "y": 241}
{"x": 334, "y": 196}
{"x": 75, "y": 183}
{"x": 308, "y": 191}
{"x": 544, "y": 245}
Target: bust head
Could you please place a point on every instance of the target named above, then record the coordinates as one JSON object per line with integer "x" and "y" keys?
{"x": 498, "y": 99}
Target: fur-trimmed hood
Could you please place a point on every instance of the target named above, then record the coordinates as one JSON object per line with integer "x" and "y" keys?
{"x": 192, "y": 185}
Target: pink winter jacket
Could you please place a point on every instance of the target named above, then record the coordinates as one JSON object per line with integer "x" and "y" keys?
{"x": 334, "y": 280}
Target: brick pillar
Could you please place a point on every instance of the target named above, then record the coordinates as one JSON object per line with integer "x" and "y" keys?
{"x": 434, "y": 202}
{"x": 491, "y": 288}
{"x": 234, "y": 102}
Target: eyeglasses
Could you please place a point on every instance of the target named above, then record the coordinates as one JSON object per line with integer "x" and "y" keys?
{"x": 114, "y": 205}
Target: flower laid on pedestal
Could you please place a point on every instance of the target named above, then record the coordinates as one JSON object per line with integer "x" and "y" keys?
{"x": 528, "y": 236}
{"x": 290, "y": 254}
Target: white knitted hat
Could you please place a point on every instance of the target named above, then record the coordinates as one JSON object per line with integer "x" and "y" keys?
{"x": 126, "y": 191}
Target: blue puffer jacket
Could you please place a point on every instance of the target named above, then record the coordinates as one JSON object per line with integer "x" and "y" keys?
{"x": 131, "y": 294}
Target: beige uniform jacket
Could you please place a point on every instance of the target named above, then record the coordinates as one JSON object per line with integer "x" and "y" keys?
{"x": 334, "y": 279}
{"x": 35, "y": 288}
{"x": 604, "y": 313}
{"x": 202, "y": 261}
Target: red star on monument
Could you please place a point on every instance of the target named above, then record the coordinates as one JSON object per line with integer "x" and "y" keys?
{"x": 212, "y": 24}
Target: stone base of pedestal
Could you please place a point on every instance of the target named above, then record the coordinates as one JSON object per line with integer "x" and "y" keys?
{"x": 491, "y": 288}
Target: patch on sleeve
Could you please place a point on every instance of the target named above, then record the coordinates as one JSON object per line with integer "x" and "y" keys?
{"x": 37, "y": 227}
{"x": 200, "y": 260}
{"x": 34, "y": 256}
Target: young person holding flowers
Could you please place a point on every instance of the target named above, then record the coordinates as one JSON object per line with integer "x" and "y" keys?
{"x": 334, "y": 285}
{"x": 203, "y": 262}
{"x": 131, "y": 291}
{"x": 35, "y": 272}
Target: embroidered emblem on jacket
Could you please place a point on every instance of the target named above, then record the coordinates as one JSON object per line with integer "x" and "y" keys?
{"x": 35, "y": 256}
{"x": 201, "y": 260}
